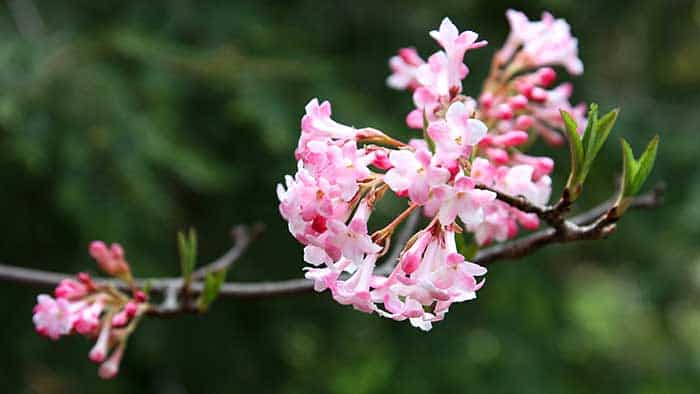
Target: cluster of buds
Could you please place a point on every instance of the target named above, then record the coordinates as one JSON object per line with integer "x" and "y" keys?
{"x": 519, "y": 93}
{"x": 97, "y": 311}
{"x": 471, "y": 149}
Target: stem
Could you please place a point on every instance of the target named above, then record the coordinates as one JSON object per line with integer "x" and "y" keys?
{"x": 261, "y": 289}
{"x": 380, "y": 235}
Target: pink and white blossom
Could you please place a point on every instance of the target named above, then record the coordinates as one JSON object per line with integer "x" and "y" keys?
{"x": 54, "y": 317}
{"x": 414, "y": 174}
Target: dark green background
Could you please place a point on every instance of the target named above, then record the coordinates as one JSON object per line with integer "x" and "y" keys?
{"x": 127, "y": 121}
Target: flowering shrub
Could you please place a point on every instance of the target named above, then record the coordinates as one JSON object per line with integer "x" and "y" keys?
{"x": 472, "y": 149}
{"x": 468, "y": 174}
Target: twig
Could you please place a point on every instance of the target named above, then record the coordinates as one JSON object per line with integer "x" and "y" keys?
{"x": 588, "y": 225}
{"x": 242, "y": 238}
{"x": 551, "y": 214}
{"x": 584, "y": 226}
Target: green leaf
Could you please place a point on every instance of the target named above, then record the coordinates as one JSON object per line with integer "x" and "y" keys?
{"x": 590, "y": 127}
{"x": 645, "y": 165}
{"x": 600, "y": 133}
{"x": 575, "y": 146}
{"x": 187, "y": 245}
{"x": 603, "y": 128}
{"x": 212, "y": 286}
{"x": 629, "y": 168}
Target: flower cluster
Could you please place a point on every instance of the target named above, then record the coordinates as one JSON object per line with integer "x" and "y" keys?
{"x": 99, "y": 312}
{"x": 471, "y": 149}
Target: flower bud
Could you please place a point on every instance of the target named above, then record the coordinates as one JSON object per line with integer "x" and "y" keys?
{"x": 504, "y": 112}
{"x": 99, "y": 351}
{"x": 546, "y": 76}
{"x": 517, "y": 102}
{"x": 111, "y": 259}
{"x": 110, "y": 368}
{"x": 524, "y": 122}
{"x": 70, "y": 289}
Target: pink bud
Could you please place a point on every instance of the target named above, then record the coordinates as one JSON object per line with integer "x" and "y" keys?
{"x": 504, "y": 112}
{"x": 410, "y": 260}
{"x": 547, "y": 76}
{"x": 528, "y": 220}
{"x": 98, "y": 250}
{"x": 110, "y": 368}
{"x": 511, "y": 138}
{"x": 70, "y": 289}
{"x": 486, "y": 100}
{"x": 140, "y": 296}
{"x": 381, "y": 160}
{"x": 131, "y": 308}
{"x": 524, "y": 122}
{"x": 414, "y": 119}
{"x": 542, "y": 165}
{"x": 497, "y": 155}
{"x": 518, "y": 102}
{"x": 410, "y": 56}
{"x": 120, "y": 319}
{"x": 523, "y": 86}
{"x": 410, "y": 263}
{"x": 110, "y": 260}
{"x": 85, "y": 279}
{"x": 99, "y": 351}
{"x": 538, "y": 94}
{"x": 117, "y": 251}
{"x": 550, "y": 136}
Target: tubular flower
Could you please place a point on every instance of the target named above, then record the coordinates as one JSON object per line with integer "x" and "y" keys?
{"x": 93, "y": 310}
{"x": 470, "y": 149}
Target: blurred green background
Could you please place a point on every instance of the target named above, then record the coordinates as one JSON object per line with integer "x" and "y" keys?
{"x": 129, "y": 120}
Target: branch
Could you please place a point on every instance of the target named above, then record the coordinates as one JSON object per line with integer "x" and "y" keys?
{"x": 551, "y": 214}
{"x": 242, "y": 238}
{"x": 591, "y": 224}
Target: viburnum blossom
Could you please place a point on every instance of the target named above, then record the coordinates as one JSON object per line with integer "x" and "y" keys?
{"x": 98, "y": 312}
{"x": 471, "y": 149}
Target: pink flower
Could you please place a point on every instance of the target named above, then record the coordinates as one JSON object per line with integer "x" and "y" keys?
{"x": 317, "y": 121}
{"x": 465, "y": 201}
{"x": 434, "y": 75}
{"x": 88, "y": 319}
{"x": 456, "y": 135}
{"x": 308, "y": 203}
{"x": 404, "y": 68}
{"x": 54, "y": 317}
{"x": 437, "y": 275}
{"x": 541, "y": 165}
{"x": 327, "y": 278}
{"x": 427, "y": 103}
{"x": 352, "y": 240}
{"x": 519, "y": 182}
{"x": 498, "y": 224}
{"x": 355, "y": 291}
{"x": 414, "y": 174}
{"x": 317, "y": 125}
{"x": 455, "y": 45}
{"x": 545, "y": 42}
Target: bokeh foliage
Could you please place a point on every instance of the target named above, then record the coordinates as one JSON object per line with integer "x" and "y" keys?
{"x": 130, "y": 120}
